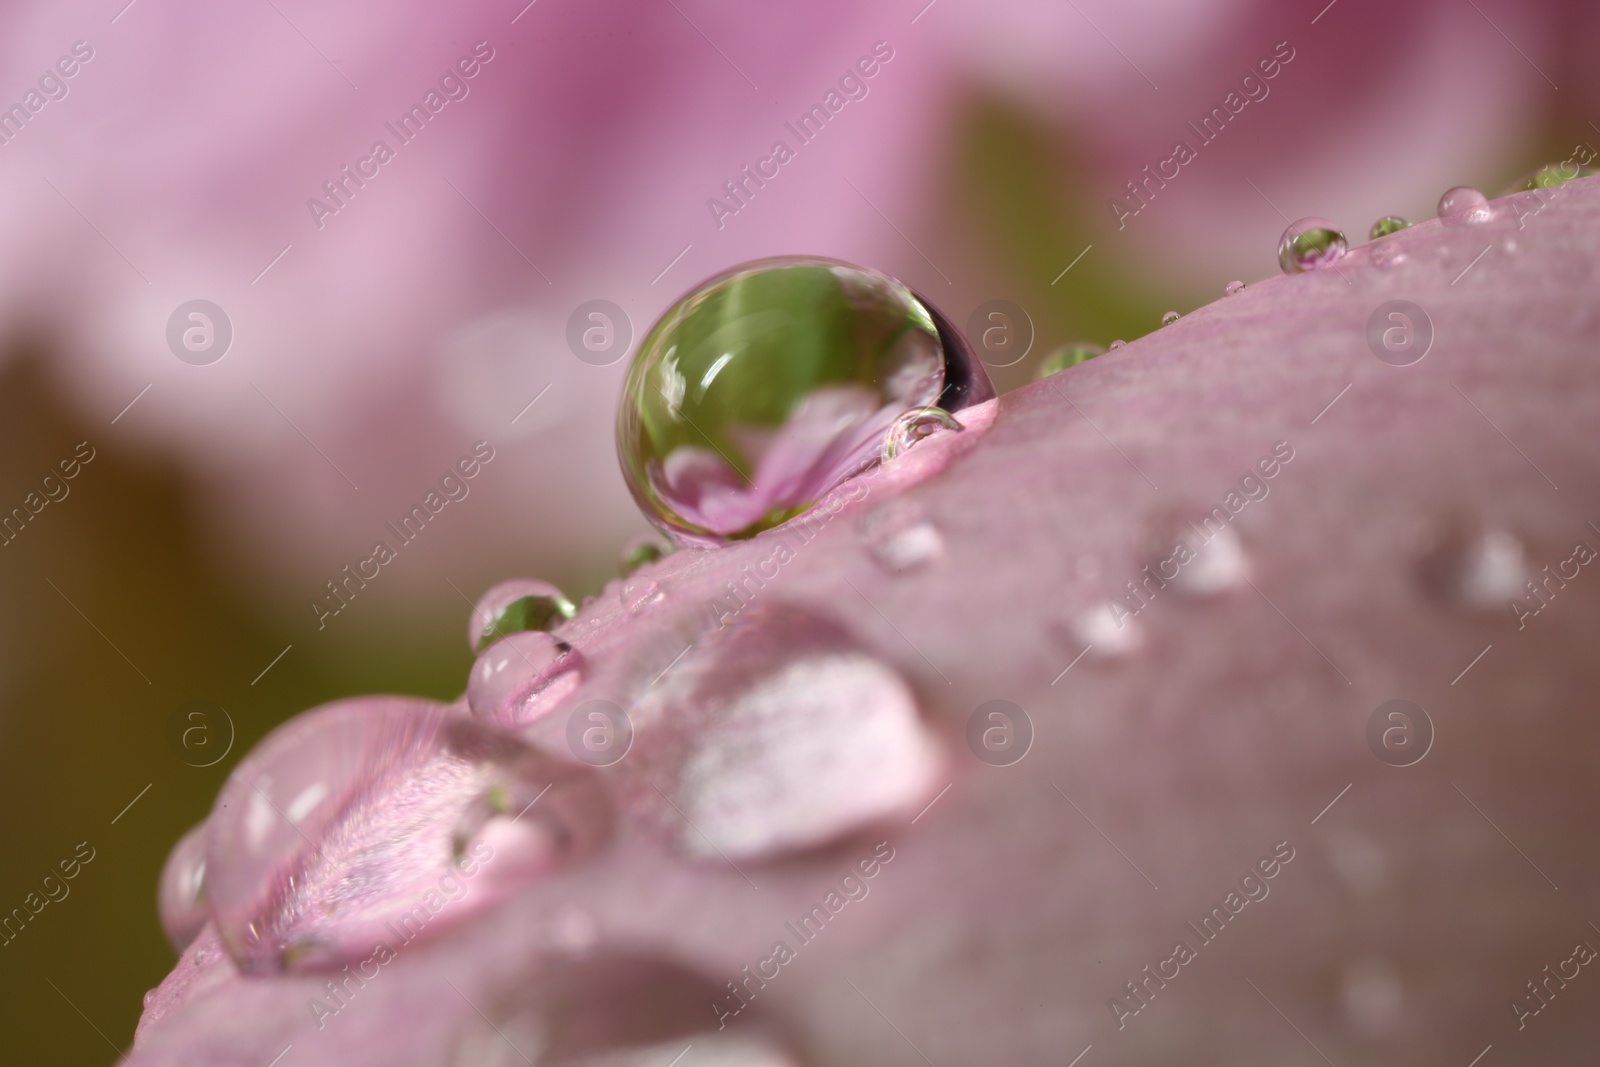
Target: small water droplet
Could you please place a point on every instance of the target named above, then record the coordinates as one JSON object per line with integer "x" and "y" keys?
{"x": 900, "y": 537}
{"x": 913, "y": 426}
{"x": 1118, "y": 344}
{"x": 1232, "y": 287}
{"x": 521, "y": 676}
{"x": 639, "y": 592}
{"x": 1387, "y": 225}
{"x": 1464, "y": 204}
{"x": 769, "y": 385}
{"x": 181, "y": 896}
{"x": 793, "y": 736}
{"x": 1373, "y": 998}
{"x": 646, "y": 548}
{"x": 1310, "y": 244}
{"x": 1206, "y": 561}
{"x": 1109, "y": 630}
{"x": 149, "y": 997}
{"x": 1169, "y": 317}
{"x": 514, "y": 606}
{"x": 349, "y": 817}
{"x": 1475, "y": 567}
{"x": 1067, "y": 356}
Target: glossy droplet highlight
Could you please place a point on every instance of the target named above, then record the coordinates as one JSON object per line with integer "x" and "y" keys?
{"x": 786, "y": 734}
{"x": 1170, "y": 317}
{"x": 1108, "y": 630}
{"x": 1475, "y": 567}
{"x": 519, "y": 677}
{"x": 638, "y": 592}
{"x": 1387, "y": 225}
{"x": 915, "y": 426}
{"x": 767, "y": 386}
{"x": 383, "y": 820}
{"x": 1067, "y": 356}
{"x": 900, "y": 537}
{"x": 1464, "y": 204}
{"x": 1119, "y": 344}
{"x": 646, "y": 548}
{"x": 1204, "y": 561}
{"x": 1310, "y": 244}
{"x": 514, "y": 606}
{"x": 181, "y": 896}
{"x": 1232, "y": 288}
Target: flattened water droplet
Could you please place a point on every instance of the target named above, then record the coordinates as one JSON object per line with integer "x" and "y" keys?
{"x": 367, "y": 813}
{"x": 900, "y": 537}
{"x": 1067, "y": 356}
{"x": 1310, "y": 244}
{"x": 646, "y": 548}
{"x": 914, "y": 426}
{"x": 1464, "y": 204}
{"x": 1232, "y": 287}
{"x": 767, "y": 386}
{"x": 520, "y": 676}
{"x": 182, "y": 894}
{"x": 1118, "y": 344}
{"x": 1387, "y": 225}
{"x": 1374, "y": 998}
{"x": 514, "y": 606}
{"x": 639, "y": 592}
{"x": 789, "y": 736}
{"x": 1477, "y": 568}
{"x": 1169, "y": 317}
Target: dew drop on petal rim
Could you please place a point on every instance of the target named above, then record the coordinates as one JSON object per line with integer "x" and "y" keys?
{"x": 1170, "y": 317}
{"x": 522, "y": 675}
{"x": 181, "y": 897}
{"x": 1387, "y": 225}
{"x": 1232, "y": 287}
{"x": 346, "y": 820}
{"x": 1550, "y": 174}
{"x": 1464, "y": 204}
{"x": 768, "y": 385}
{"x": 1119, "y": 344}
{"x": 646, "y": 548}
{"x": 1066, "y": 356}
{"x": 1310, "y": 244}
{"x": 516, "y": 605}
{"x": 913, "y": 426}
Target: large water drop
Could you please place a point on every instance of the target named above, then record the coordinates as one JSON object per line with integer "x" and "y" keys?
{"x": 381, "y": 820}
{"x": 181, "y": 897}
{"x": 1464, "y": 204}
{"x": 769, "y": 385}
{"x": 521, "y": 676}
{"x": 1310, "y": 244}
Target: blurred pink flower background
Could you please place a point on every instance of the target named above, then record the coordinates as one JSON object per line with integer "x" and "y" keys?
{"x": 373, "y": 346}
